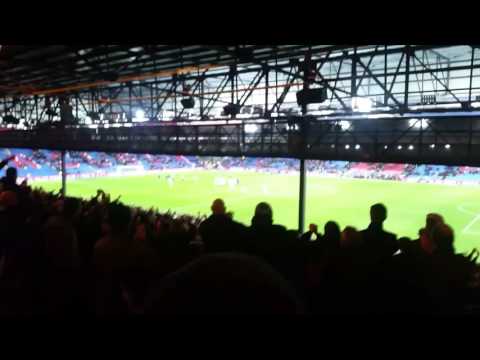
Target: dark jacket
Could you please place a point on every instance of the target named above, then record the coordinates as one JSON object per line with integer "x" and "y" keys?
{"x": 378, "y": 243}
{"x": 220, "y": 233}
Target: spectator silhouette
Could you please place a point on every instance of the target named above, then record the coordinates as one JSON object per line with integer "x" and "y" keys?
{"x": 331, "y": 237}
{"x": 113, "y": 260}
{"x": 9, "y": 181}
{"x": 378, "y": 243}
{"x": 321, "y": 254}
{"x": 447, "y": 274}
{"x": 267, "y": 238}
{"x": 10, "y": 223}
{"x": 220, "y": 232}
{"x": 311, "y": 235}
{"x": 425, "y": 242}
{"x": 61, "y": 236}
{"x": 276, "y": 245}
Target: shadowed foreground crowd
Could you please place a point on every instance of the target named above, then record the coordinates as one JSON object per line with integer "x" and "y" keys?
{"x": 72, "y": 257}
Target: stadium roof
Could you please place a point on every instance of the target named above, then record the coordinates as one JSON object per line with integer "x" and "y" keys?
{"x": 26, "y": 69}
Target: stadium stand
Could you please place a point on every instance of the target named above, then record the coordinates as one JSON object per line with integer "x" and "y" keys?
{"x": 43, "y": 164}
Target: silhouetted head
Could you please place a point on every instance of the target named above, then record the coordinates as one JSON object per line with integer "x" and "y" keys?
{"x": 433, "y": 220}
{"x": 263, "y": 214}
{"x": 351, "y": 237}
{"x": 442, "y": 238}
{"x": 332, "y": 233}
{"x": 218, "y": 207}
{"x": 119, "y": 217}
{"x": 378, "y": 214}
{"x": 70, "y": 207}
{"x": 332, "y": 229}
{"x": 11, "y": 175}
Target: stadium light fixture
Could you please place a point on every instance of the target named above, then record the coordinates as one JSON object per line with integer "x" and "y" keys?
{"x": 475, "y": 104}
{"x": 379, "y": 116}
{"x": 188, "y": 103}
{"x": 361, "y": 104}
{"x": 385, "y": 147}
{"x": 251, "y": 128}
{"x": 357, "y": 147}
{"x": 432, "y": 146}
{"x": 139, "y": 116}
{"x": 447, "y": 146}
{"x": 410, "y": 147}
{"x": 399, "y": 147}
{"x": 347, "y": 146}
{"x": 418, "y": 123}
{"x": 345, "y": 125}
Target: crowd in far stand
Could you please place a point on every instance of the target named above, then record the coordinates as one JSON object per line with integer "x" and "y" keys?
{"x": 72, "y": 257}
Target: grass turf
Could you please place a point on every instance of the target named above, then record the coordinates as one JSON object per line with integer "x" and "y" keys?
{"x": 346, "y": 201}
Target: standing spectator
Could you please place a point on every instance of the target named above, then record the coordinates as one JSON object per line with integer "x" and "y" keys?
{"x": 378, "y": 243}
{"x": 447, "y": 274}
{"x": 425, "y": 241}
{"x": 220, "y": 232}
{"x": 276, "y": 245}
{"x": 112, "y": 260}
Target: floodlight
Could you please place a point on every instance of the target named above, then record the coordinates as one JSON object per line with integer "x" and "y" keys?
{"x": 361, "y": 104}
{"x": 251, "y": 128}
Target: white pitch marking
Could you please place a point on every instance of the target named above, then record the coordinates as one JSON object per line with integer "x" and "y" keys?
{"x": 466, "y": 229}
{"x": 468, "y": 212}
{"x": 469, "y": 225}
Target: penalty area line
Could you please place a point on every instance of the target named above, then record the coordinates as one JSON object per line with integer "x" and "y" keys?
{"x": 469, "y": 225}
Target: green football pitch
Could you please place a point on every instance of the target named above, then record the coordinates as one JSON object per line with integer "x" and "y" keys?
{"x": 346, "y": 201}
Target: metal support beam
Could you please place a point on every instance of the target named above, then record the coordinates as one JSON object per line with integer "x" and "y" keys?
{"x": 471, "y": 75}
{"x": 307, "y": 66}
{"x": 301, "y": 197}
{"x": 407, "y": 78}
{"x": 64, "y": 173}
